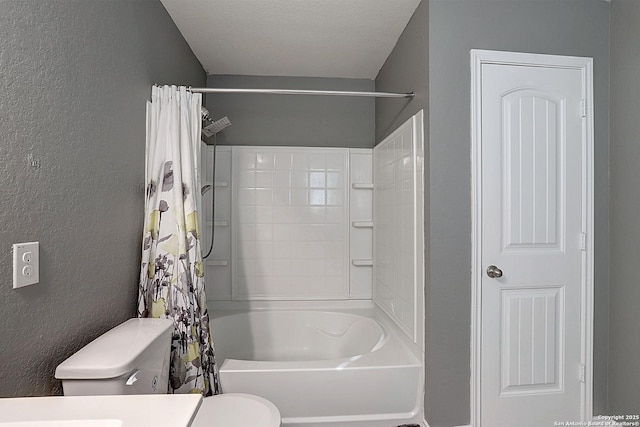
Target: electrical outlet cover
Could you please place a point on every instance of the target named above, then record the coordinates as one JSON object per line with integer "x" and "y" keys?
{"x": 26, "y": 264}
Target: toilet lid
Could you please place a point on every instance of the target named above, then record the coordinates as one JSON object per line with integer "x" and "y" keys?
{"x": 237, "y": 410}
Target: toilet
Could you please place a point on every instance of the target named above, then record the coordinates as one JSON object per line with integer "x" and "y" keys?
{"x": 133, "y": 358}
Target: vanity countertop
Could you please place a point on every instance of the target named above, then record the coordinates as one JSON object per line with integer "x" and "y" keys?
{"x": 153, "y": 410}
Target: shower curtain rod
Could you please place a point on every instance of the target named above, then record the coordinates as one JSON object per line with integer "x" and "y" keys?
{"x": 303, "y": 92}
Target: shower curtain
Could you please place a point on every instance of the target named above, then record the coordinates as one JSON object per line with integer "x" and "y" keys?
{"x": 172, "y": 271}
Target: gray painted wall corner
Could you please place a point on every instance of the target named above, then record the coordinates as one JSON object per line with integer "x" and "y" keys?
{"x": 75, "y": 77}
{"x": 405, "y": 70}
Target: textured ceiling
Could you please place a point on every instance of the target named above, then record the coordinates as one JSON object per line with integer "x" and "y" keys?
{"x": 309, "y": 38}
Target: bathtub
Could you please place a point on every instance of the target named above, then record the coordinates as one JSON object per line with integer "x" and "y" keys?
{"x": 321, "y": 368}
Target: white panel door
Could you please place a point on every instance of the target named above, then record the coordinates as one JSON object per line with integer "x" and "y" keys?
{"x": 532, "y": 210}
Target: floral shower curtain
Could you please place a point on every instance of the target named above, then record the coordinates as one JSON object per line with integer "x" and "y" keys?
{"x": 172, "y": 271}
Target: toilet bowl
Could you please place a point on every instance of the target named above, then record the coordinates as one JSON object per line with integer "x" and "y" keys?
{"x": 237, "y": 410}
{"x": 133, "y": 358}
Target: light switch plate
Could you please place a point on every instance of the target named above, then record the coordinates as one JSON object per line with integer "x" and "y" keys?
{"x": 26, "y": 264}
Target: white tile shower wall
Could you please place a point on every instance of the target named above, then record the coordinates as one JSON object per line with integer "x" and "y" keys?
{"x": 361, "y": 220}
{"x": 290, "y": 223}
{"x": 398, "y": 234}
{"x": 218, "y": 264}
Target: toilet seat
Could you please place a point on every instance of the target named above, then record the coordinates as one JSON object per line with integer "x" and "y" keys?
{"x": 237, "y": 410}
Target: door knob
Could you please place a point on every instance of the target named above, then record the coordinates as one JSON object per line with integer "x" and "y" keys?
{"x": 494, "y": 272}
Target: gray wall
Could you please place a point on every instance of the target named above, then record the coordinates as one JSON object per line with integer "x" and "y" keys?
{"x": 405, "y": 70}
{"x": 433, "y": 52}
{"x": 624, "y": 374}
{"x": 579, "y": 28}
{"x": 74, "y": 78}
{"x": 285, "y": 120}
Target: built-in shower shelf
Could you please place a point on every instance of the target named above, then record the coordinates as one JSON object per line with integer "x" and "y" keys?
{"x": 218, "y": 262}
{"x": 362, "y": 186}
{"x": 219, "y": 183}
{"x": 218, "y": 223}
{"x": 362, "y": 224}
{"x": 362, "y": 262}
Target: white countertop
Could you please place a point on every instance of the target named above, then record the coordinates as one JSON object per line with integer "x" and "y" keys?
{"x": 153, "y": 410}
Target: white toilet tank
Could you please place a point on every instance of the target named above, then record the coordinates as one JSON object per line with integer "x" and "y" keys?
{"x": 132, "y": 358}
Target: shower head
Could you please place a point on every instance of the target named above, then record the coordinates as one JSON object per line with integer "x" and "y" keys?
{"x": 215, "y": 126}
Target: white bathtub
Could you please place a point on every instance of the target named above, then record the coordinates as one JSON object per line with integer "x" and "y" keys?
{"x": 321, "y": 368}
